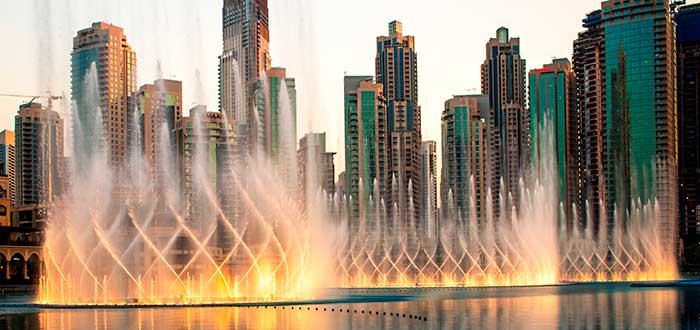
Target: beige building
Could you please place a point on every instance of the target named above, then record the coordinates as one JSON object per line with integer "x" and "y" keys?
{"x": 160, "y": 104}
{"x": 7, "y": 162}
{"x": 39, "y": 157}
{"x": 103, "y": 72}
{"x": 397, "y": 71}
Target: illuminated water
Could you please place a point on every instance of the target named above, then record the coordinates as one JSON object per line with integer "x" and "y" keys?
{"x": 600, "y": 306}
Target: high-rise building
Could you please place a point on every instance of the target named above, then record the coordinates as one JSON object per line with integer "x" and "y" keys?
{"x": 246, "y": 56}
{"x": 503, "y": 80}
{"x": 397, "y": 72}
{"x": 554, "y": 129}
{"x": 464, "y": 157}
{"x": 366, "y": 156}
{"x": 589, "y": 69}
{"x": 160, "y": 104}
{"x": 39, "y": 156}
{"x": 275, "y": 129}
{"x": 7, "y": 162}
{"x": 640, "y": 107}
{"x": 316, "y": 166}
{"x": 429, "y": 187}
{"x": 205, "y": 163}
{"x": 276, "y": 104}
{"x": 688, "y": 40}
{"x": 103, "y": 73}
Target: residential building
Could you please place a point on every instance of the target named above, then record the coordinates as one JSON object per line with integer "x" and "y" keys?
{"x": 503, "y": 80}
{"x": 7, "y": 162}
{"x": 429, "y": 188}
{"x": 640, "y": 108}
{"x": 103, "y": 73}
{"x": 366, "y": 147}
{"x": 464, "y": 184}
{"x": 160, "y": 104}
{"x": 397, "y": 72}
{"x": 589, "y": 69}
{"x": 39, "y": 157}
{"x": 554, "y": 131}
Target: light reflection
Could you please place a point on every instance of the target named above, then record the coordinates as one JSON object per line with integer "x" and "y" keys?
{"x": 582, "y": 307}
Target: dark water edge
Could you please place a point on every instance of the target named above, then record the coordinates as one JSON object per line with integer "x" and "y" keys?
{"x": 573, "y": 306}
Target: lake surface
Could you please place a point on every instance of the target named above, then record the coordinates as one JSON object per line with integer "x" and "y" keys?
{"x": 596, "y": 306}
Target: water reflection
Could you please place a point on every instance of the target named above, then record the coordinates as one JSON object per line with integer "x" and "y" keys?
{"x": 580, "y": 308}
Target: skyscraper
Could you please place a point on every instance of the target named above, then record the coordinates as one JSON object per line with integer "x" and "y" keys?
{"x": 464, "y": 157}
{"x": 397, "y": 72}
{"x": 246, "y": 55}
{"x": 103, "y": 73}
{"x": 7, "y": 162}
{"x": 366, "y": 156}
{"x": 316, "y": 166}
{"x": 589, "y": 68}
{"x": 39, "y": 156}
{"x": 275, "y": 125}
{"x": 161, "y": 107}
{"x": 204, "y": 164}
{"x": 273, "y": 105}
{"x": 503, "y": 80}
{"x": 688, "y": 39}
{"x": 553, "y": 111}
{"x": 429, "y": 188}
{"x": 640, "y": 107}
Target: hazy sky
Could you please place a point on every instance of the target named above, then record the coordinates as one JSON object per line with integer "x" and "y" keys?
{"x": 317, "y": 40}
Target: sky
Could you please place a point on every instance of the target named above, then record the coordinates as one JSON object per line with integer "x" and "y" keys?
{"x": 318, "y": 41}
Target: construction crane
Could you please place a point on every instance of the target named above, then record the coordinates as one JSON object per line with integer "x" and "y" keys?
{"x": 51, "y": 98}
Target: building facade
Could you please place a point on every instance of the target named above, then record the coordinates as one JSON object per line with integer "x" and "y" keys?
{"x": 316, "y": 165}
{"x": 7, "y": 162}
{"x": 103, "y": 79}
{"x": 160, "y": 104}
{"x": 39, "y": 157}
{"x": 246, "y": 56}
{"x": 554, "y": 130}
{"x": 589, "y": 69}
{"x": 464, "y": 158}
{"x": 366, "y": 144}
{"x": 503, "y": 80}
{"x": 640, "y": 107}
{"x": 205, "y": 164}
{"x": 688, "y": 42}
{"x": 5, "y": 202}
{"x": 397, "y": 72}
{"x": 429, "y": 187}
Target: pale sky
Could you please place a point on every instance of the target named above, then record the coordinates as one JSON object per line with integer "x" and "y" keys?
{"x": 317, "y": 40}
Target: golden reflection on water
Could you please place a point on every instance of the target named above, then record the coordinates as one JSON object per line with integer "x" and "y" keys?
{"x": 585, "y": 308}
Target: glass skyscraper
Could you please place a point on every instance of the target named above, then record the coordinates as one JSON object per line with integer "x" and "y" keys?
{"x": 553, "y": 111}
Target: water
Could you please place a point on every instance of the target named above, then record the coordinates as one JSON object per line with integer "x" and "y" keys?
{"x": 600, "y": 306}
{"x": 218, "y": 224}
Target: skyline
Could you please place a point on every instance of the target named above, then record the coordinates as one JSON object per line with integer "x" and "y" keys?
{"x": 202, "y": 155}
{"x": 336, "y": 46}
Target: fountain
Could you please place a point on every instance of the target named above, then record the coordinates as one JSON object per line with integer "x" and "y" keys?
{"x": 234, "y": 229}
{"x": 535, "y": 245}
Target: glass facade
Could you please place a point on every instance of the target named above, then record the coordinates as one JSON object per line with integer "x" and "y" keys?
{"x": 548, "y": 115}
{"x": 631, "y": 125}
